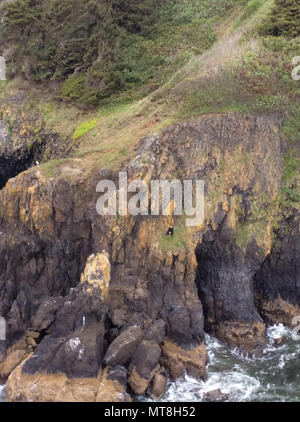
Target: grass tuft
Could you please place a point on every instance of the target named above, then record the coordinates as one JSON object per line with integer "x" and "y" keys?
{"x": 84, "y": 128}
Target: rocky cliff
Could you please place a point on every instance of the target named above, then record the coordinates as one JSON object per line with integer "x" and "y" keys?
{"x": 105, "y": 308}
{"x": 24, "y": 140}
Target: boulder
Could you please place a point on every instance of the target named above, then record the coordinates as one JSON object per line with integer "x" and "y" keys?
{"x": 144, "y": 362}
{"x": 216, "y": 396}
{"x": 180, "y": 361}
{"x": 157, "y": 386}
{"x": 156, "y": 332}
{"x": 118, "y": 374}
{"x": 121, "y": 349}
{"x": 43, "y": 387}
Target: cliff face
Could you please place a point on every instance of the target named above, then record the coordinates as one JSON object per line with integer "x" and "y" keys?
{"x": 24, "y": 139}
{"x": 277, "y": 281}
{"x": 95, "y": 305}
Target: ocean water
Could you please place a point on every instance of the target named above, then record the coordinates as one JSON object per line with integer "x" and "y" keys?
{"x": 2, "y": 389}
{"x": 273, "y": 377}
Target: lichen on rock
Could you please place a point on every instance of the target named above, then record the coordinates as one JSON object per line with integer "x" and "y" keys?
{"x": 97, "y": 274}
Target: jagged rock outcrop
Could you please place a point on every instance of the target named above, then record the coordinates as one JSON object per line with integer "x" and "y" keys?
{"x": 216, "y": 396}
{"x": 120, "y": 351}
{"x": 224, "y": 279}
{"x": 157, "y": 386}
{"x": 277, "y": 282}
{"x": 74, "y": 348}
{"x": 79, "y": 315}
{"x": 239, "y": 158}
{"x": 179, "y": 360}
{"x": 144, "y": 364}
{"x": 24, "y": 139}
{"x": 59, "y": 388}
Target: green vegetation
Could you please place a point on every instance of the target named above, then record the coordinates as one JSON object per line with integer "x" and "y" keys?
{"x": 73, "y": 87}
{"x": 50, "y": 168}
{"x": 103, "y": 48}
{"x": 177, "y": 241}
{"x": 261, "y": 215}
{"x": 250, "y": 9}
{"x": 29, "y": 146}
{"x": 84, "y": 128}
{"x": 290, "y": 194}
{"x": 291, "y": 127}
{"x": 289, "y": 178}
{"x": 259, "y": 81}
{"x": 147, "y": 64}
{"x": 284, "y": 19}
{"x": 242, "y": 236}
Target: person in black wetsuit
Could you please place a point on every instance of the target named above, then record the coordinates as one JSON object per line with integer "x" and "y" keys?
{"x": 170, "y": 231}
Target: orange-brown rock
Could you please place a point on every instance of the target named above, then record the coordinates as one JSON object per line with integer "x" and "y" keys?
{"x": 13, "y": 357}
{"x": 55, "y": 280}
{"x": 44, "y": 387}
{"x": 250, "y": 337}
{"x": 144, "y": 364}
{"x": 157, "y": 386}
{"x": 278, "y": 311}
{"x": 178, "y": 360}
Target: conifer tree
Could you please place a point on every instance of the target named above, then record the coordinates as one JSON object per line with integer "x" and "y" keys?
{"x": 283, "y": 20}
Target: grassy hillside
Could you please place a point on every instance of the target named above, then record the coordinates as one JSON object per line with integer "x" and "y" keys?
{"x": 184, "y": 59}
{"x": 100, "y": 48}
{"x": 284, "y": 20}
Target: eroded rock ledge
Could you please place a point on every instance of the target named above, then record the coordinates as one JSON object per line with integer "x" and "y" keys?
{"x": 105, "y": 308}
{"x": 24, "y": 139}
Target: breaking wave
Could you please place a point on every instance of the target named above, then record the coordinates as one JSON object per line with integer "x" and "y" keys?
{"x": 272, "y": 377}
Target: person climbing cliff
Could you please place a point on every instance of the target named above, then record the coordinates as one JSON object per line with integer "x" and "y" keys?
{"x": 170, "y": 231}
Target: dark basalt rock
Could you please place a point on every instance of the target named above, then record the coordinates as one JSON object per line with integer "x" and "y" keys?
{"x": 156, "y": 332}
{"x": 224, "y": 279}
{"x": 157, "y": 386}
{"x": 145, "y": 358}
{"x": 118, "y": 373}
{"x": 24, "y": 140}
{"x": 76, "y": 344}
{"x": 122, "y": 348}
{"x": 49, "y": 227}
{"x": 225, "y": 282}
{"x": 39, "y": 268}
{"x": 279, "y": 276}
{"x": 143, "y": 366}
{"x": 10, "y": 166}
{"x": 216, "y": 396}
{"x": 46, "y": 313}
{"x": 2, "y": 349}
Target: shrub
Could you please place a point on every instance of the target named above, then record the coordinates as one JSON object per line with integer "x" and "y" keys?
{"x": 284, "y": 19}
{"x": 73, "y": 87}
{"x": 100, "y": 48}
